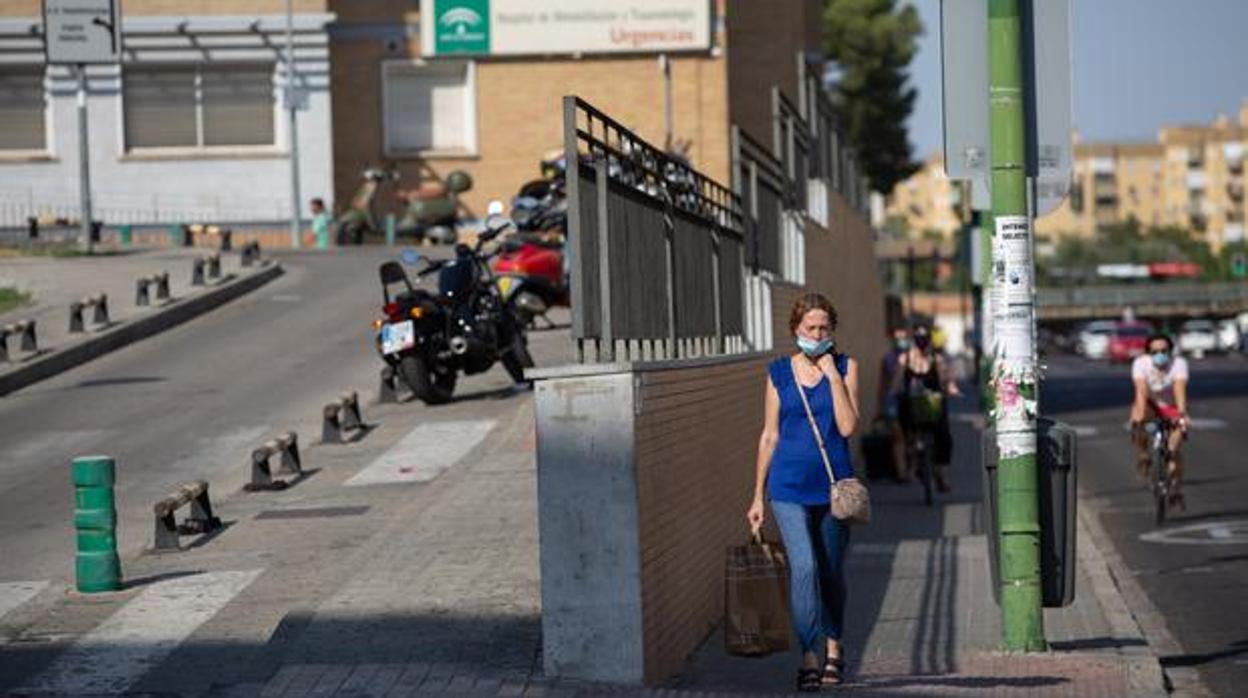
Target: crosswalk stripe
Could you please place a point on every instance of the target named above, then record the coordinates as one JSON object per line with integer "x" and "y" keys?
{"x": 132, "y": 641}
{"x": 425, "y": 453}
{"x": 14, "y": 594}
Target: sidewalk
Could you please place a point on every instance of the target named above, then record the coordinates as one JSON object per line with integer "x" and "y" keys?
{"x": 54, "y": 283}
{"x": 427, "y": 584}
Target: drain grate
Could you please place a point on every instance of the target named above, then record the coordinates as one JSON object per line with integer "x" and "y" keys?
{"x": 312, "y": 513}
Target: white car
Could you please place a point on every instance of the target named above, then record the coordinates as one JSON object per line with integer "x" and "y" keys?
{"x": 1198, "y": 337}
{"x": 1094, "y": 339}
{"x": 1228, "y": 335}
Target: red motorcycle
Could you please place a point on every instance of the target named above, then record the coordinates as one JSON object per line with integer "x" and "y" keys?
{"x": 530, "y": 275}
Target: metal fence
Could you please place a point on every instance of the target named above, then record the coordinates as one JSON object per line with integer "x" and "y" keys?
{"x": 656, "y": 247}
{"x": 758, "y": 178}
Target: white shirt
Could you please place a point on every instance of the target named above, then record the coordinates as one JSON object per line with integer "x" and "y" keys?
{"x": 1160, "y": 382}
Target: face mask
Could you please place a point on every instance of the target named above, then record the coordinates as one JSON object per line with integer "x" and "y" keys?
{"x": 1161, "y": 358}
{"x": 902, "y": 344}
{"x": 813, "y": 347}
{"x": 922, "y": 342}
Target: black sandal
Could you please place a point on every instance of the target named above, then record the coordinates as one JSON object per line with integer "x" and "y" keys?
{"x": 832, "y": 670}
{"x": 809, "y": 680}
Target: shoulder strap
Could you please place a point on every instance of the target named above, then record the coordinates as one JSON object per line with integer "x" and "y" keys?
{"x": 810, "y": 417}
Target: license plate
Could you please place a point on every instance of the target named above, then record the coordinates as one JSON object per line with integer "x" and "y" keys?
{"x": 397, "y": 337}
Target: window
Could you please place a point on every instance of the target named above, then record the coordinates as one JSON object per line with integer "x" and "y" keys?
{"x": 22, "y": 105}
{"x": 199, "y": 106}
{"x": 430, "y": 107}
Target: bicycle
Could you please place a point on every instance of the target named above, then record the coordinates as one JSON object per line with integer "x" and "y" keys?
{"x": 1159, "y": 430}
{"x": 919, "y": 444}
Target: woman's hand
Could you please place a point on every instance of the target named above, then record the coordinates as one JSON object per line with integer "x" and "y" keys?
{"x": 755, "y": 515}
{"x": 827, "y": 364}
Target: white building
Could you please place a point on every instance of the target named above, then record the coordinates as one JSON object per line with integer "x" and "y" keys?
{"x": 190, "y": 127}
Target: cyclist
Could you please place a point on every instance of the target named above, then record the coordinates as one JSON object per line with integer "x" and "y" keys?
{"x": 1160, "y": 380}
{"x": 924, "y": 380}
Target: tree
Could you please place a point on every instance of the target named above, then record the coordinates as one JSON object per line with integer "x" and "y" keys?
{"x": 872, "y": 42}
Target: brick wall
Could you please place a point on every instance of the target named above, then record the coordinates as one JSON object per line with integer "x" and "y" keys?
{"x": 696, "y": 439}
{"x": 520, "y": 114}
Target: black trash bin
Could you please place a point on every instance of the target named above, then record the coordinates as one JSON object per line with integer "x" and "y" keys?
{"x": 1056, "y": 446}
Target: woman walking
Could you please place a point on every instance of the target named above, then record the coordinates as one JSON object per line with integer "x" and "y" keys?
{"x": 791, "y": 473}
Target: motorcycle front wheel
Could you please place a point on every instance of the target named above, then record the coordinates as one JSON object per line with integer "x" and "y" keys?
{"x": 429, "y": 387}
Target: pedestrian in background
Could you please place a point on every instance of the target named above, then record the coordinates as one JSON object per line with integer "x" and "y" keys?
{"x": 320, "y": 223}
{"x": 791, "y": 474}
{"x": 889, "y": 403}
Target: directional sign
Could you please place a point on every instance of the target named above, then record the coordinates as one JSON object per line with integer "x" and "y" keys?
{"x": 1047, "y": 66}
{"x": 81, "y": 31}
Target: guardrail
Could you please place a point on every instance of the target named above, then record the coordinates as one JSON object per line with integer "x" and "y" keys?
{"x": 1091, "y": 300}
{"x": 656, "y": 247}
{"x": 24, "y": 329}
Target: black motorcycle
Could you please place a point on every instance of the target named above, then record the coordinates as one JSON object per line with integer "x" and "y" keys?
{"x": 464, "y": 327}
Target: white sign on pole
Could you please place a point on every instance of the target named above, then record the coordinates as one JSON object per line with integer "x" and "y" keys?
{"x": 1047, "y": 68}
{"x": 81, "y": 31}
{"x": 561, "y": 27}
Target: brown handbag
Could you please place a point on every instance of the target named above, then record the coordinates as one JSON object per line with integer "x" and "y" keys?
{"x": 848, "y": 498}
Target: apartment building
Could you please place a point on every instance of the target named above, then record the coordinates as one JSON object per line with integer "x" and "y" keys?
{"x": 927, "y": 201}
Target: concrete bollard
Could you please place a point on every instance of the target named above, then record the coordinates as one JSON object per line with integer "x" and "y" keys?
{"x": 341, "y": 415}
{"x": 200, "y": 520}
{"x": 197, "y": 272}
{"x": 97, "y": 567}
{"x": 214, "y": 265}
{"x": 99, "y": 305}
{"x": 389, "y": 391}
{"x": 287, "y": 447}
{"x": 24, "y": 329}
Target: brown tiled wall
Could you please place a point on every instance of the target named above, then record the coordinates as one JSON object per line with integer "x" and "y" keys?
{"x": 696, "y": 440}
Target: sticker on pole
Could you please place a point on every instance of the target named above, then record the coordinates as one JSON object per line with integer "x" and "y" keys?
{"x": 81, "y": 31}
{"x": 1014, "y": 243}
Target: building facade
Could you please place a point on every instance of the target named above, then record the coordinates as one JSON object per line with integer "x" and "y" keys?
{"x": 927, "y": 201}
{"x": 188, "y": 127}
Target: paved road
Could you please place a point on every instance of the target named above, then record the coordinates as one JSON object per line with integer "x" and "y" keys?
{"x": 190, "y": 403}
{"x": 1198, "y": 587}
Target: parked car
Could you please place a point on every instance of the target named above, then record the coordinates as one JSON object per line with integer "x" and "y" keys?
{"x": 1129, "y": 340}
{"x": 1094, "y": 339}
{"x": 1198, "y": 337}
{"x": 1228, "y": 335}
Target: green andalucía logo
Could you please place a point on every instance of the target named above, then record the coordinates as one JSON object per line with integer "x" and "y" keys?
{"x": 463, "y": 26}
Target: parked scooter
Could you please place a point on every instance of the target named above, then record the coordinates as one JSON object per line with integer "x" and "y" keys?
{"x": 430, "y": 337}
{"x": 430, "y": 210}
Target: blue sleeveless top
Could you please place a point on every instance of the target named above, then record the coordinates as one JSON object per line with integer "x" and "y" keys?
{"x": 797, "y": 473}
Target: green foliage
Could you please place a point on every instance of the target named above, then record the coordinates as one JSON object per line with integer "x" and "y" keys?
{"x": 872, "y": 42}
{"x": 11, "y": 298}
{"x": 1075, "y": 258}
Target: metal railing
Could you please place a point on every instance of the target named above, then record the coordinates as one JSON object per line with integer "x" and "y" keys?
{"x": 758, "y": 179}
{"x": 656, "y": 247}
{"x": 1230, "y": 297}
{"x": 792, "y": 143}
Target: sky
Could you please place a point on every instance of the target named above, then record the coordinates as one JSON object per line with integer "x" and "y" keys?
{"x": 1138, "y": 65}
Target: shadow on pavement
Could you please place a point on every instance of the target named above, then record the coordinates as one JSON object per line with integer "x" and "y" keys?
{"x": 1183, "y": 660}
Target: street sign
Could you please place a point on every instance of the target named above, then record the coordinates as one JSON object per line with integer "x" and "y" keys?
{"x": 1047, "y": 68}
{"x": 81, "y": 31}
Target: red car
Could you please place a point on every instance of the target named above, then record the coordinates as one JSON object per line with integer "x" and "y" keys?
{"x": 1129, "y": 340}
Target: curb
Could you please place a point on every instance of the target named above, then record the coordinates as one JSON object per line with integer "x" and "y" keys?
{"x": 1145, "y": 676}
{"x": 1123, "y": 599}
{"x": 129, "y": 332}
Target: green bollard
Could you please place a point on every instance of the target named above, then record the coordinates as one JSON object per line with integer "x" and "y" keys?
{"x": 390, "y": 225}
{"x": 95, "y": 517}
{"x": 124, "y": 233}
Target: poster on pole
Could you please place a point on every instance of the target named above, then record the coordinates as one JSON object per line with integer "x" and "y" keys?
{"x": 77, "y": 32}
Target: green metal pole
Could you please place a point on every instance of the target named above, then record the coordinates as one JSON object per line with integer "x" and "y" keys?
{"x": 391, "y": 224}
{"x": 97, "y": 567}
{"x": 1014, "y": 370}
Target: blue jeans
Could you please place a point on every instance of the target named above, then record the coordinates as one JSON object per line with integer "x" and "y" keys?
{"x": 816, "y": 542}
